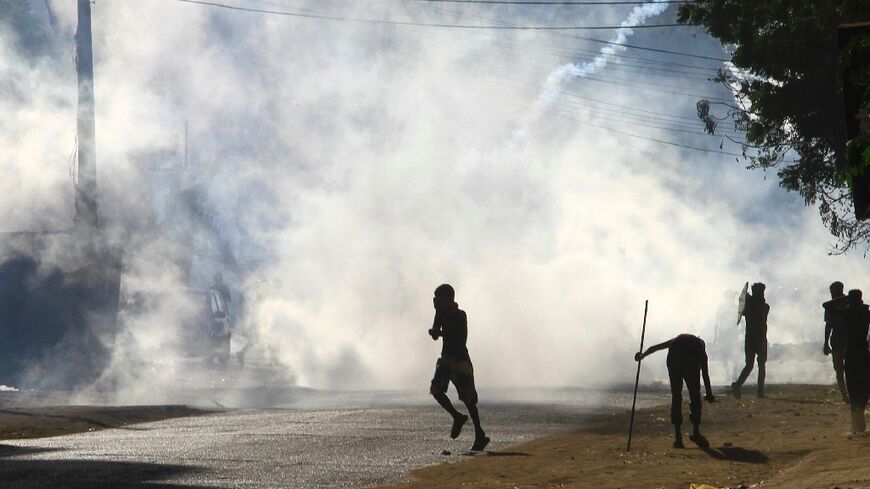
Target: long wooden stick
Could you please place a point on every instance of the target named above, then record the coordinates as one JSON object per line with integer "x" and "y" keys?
{"x": 637, "y": 377}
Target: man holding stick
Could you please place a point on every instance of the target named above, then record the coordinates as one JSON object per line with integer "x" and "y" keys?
{"x": 687, "y": 361}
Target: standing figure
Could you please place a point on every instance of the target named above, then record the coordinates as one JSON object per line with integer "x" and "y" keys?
{"x": 755, "y": 312}
{"x": 222, "y": 288}
{"x": 687, "y": 362}
{"x": 836, "y": 334}
{"x": 218, "y": 325}
{"x": 455, "y": 366}
{"x": 857, "y": 319}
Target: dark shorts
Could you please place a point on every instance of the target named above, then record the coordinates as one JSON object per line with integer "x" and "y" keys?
{"x": 756, "y": 349}
{"x": 458, "y": 371}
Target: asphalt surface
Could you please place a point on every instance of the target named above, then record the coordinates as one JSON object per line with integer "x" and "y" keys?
{"x": 360, "y": 445}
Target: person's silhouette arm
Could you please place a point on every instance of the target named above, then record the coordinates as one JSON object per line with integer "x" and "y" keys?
{"x": 435, "y": 330}
{"x": 649, "y": 351}
{"x": 705, "y": 373}
{"x": 827, "y": 348}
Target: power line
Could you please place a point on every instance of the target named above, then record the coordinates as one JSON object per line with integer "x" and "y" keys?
{"x": 638, "y": 136}
{"x": 565, "y": 2}
{"x": 612, "y": 43}
{"x": 425, "y": 24}
{"x": 655, "y": 50}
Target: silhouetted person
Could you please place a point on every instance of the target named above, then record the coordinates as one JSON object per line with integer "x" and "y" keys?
{"x": 836, "y": 334}
{"x": 687, "y": 362}
{"x": 219, "y": 325}
{"x": 755, "y": 312}
{"x": 221, "y": 287}
{"x": 451, "y": 325}
{"x": 857, "y": 319}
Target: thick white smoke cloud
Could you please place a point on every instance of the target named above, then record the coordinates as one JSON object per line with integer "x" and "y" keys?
{"x": 353, "y": 168}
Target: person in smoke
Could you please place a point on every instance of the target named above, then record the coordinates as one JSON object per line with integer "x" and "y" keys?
{"x": 836, "y": 334}
{"x": 857, "y": 365}
{"x": 219, "y": 323}
{"x": 755, "y": 312}
{"x": 222, "y": 288}
{"x": 451, "y": 324}
{"x": 687, "y": 362}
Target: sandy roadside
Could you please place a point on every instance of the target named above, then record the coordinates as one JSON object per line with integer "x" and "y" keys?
{"x": 36, "y": 422}
{"x": 796, "y": 438}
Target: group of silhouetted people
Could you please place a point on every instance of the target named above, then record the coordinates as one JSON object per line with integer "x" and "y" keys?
{"x": 847, "y": 320}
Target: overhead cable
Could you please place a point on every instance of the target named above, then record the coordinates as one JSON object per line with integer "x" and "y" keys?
{"x": 425, "y": 24}
{"x": 550, "y": 2}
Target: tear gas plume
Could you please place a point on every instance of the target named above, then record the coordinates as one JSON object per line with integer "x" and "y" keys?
{"x": 606, "y": 54}
{"x": 337, "y": 172}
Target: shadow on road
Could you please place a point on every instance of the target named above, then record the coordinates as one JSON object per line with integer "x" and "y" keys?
{"x": 68, "y": 418}
{"x": 90, "y": 474}
{"x": 737, "y": 454}
{"x": 508, "y": 454}
{"x": 12, "y": 450}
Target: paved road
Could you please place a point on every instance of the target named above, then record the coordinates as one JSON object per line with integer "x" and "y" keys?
{"x": 285, "y": 448}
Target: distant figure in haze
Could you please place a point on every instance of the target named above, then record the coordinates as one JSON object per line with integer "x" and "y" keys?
{"x": 218, "y": 321}
{"x": 836, "y": 336}
{"x": 687, "y": 362}
{"x": 755, "y": 312}
{"x": 454, "y": 365}
{"x": 857, "y": 320}
{"x": 221, "y": 287}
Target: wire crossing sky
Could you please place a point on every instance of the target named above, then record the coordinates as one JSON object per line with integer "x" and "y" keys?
{"x": 422, "y": 24}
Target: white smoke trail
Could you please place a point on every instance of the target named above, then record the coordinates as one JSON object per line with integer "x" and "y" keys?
{"x": 637, "y": 16}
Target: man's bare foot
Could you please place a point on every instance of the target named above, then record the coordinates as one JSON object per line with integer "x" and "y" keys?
{"x": 698, "y": 439}
{"x": 735, "y": 390}
{"x": 480, "y": 443}
{"x": 458, "y": 421}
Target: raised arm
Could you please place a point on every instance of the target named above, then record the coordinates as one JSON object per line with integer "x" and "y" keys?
{"x": 649, "y": 351}
{"x": 435, "y": 330}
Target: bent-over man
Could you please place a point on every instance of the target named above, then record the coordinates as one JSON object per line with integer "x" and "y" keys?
{"x": 687, "y": 362}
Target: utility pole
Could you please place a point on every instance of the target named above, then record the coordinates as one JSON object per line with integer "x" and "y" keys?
{"x": 87, "y": 211}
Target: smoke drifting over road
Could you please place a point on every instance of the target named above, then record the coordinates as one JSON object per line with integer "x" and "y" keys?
{"x": 350, "y": 168}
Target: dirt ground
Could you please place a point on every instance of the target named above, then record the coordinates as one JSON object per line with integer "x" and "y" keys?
{"x": 796, "y": 438}
{"x": 37, "y": 422}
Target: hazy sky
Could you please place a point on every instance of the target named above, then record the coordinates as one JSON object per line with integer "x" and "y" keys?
{"x": 356, "y": 166}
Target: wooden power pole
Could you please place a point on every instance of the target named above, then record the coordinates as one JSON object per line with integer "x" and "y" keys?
{"x": 87, "y": 212}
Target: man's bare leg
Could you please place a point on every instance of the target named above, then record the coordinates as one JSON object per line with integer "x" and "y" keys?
{"x": 459, "y": 419}
{"x": 480, "y": 438}
{"x": 762, "y": 372}
{"x": 841, "y": 383}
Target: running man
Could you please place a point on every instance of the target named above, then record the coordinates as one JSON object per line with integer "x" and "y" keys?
{"x": 687, "y": 358}
{"x": 836, "y": 336}
{"x": 756, "y": 312}
{"x": 451, "y": 325}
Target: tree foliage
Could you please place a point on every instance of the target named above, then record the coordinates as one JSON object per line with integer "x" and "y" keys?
{"x": 788, "y": 95}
